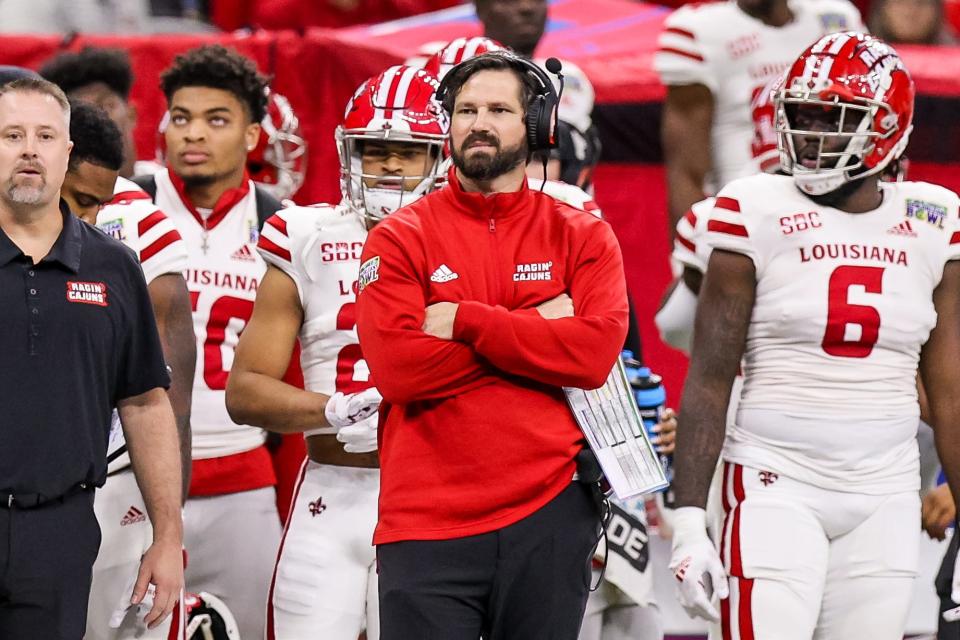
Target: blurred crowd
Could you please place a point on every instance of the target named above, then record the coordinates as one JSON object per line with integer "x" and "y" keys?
{"x": 931, "y": 22}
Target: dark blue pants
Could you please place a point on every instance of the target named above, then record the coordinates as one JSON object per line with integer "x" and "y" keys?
{"x": 46, "y": 557}
{"x": 944, "y": 581}
{"x": 526, "y": 581}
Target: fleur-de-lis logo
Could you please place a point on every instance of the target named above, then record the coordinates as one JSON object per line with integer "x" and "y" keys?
{"x": 768, "y": 478}
{"x": 317, "y": 507}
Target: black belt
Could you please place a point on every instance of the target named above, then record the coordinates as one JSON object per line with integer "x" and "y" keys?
{"x": 34, "y": 500}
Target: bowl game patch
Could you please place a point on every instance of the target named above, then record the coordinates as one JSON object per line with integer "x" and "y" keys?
{"x": 369, "y": 272}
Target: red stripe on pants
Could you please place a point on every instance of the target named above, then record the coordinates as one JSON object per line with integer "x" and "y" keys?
{"x": 726, "y": 514}
{"x": 736, "y": 564}
{"x": 725, "y": 617}
{"x": 271, "y": 632}
{"x": 745, "y": 608}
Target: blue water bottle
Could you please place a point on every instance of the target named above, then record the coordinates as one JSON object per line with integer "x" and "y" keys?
{"x": 651, "y": 397}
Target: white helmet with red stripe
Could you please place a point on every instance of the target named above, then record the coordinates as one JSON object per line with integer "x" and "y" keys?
{"x": 763, "y": 110}
{"x": 208, "y": 618}
{"x": 458, "y": 51}
{"x": 279, "y": 161}
{"x": 399, "y": 105}
{"x": 861, "y": 80}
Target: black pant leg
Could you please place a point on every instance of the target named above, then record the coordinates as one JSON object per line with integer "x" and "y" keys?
{"x": 435, "y": 589}
{"x": 50, "y": 553}
{"x": 944, "y": 582}
{"x": 543, "y": 577}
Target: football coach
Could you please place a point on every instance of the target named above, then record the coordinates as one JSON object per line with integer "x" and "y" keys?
{"x": 78, "y": 338}
{"x": 477, "y": 304}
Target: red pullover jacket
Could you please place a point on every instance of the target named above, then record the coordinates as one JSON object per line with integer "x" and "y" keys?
{"x": 475, "y": 433}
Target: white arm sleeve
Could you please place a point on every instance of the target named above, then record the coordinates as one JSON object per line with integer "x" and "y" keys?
{"x": 675, "y": 319}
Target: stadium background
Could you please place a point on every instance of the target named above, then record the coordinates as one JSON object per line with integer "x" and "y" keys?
{"x": 613, "y": 41}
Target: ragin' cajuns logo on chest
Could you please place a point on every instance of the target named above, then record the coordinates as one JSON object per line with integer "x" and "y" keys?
{"x": 533, "y": 271}
{"x": 94, "y": 293}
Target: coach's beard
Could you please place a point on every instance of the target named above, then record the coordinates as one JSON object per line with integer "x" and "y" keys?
{"x": 483, "y": 167}
{"x": 29, "y": 195}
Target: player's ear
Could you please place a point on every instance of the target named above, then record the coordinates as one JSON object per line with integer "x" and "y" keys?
{"x": 251, "y": 136}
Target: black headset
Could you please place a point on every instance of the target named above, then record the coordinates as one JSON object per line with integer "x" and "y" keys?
{"x": 541, "y": 132}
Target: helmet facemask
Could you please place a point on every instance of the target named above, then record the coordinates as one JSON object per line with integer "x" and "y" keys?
{"x": 375, "y": 196}
{"x": 279, "y": 162}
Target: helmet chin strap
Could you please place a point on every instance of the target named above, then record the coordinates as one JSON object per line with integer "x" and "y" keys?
{"x": 814, "y": 184}
{"x": 379, "y": 203}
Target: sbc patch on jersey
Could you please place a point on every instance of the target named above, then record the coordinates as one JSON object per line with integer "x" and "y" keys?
{"x": 369, "y": 272}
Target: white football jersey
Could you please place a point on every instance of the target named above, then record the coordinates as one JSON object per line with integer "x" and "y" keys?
{"x": 569, "y": 194}
{"x": 222, "y": 274}
{"x": 319, "y": 247}
{"x": 844, "y": 303}
{"x": 734, "y": 55}
{"x": 133, "y": 219}
{"x": 689, "y": 248}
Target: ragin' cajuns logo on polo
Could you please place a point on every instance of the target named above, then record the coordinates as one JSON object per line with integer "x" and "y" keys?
{"x": 87, "y": 292}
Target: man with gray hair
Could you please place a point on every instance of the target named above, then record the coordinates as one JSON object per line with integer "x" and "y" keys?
{"x": 79, "y": 339}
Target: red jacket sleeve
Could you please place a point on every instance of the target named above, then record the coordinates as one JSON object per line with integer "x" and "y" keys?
{"x": 569, "y": 352}
{"x": 406, "y": 364}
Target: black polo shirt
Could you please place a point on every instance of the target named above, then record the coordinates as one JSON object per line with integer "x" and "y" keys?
{"x": 77, "y": 334}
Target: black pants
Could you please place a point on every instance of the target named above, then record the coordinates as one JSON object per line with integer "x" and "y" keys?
{"x": 944, "y": 583}
{"x": 527, "y": 581}
{"x": 46, "y": 557}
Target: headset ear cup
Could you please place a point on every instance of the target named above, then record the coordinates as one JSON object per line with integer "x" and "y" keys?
{"x": 547, "y": 127}
{"x": 534, "y": 113}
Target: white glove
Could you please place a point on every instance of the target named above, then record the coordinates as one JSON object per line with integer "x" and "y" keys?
{"x": 360, "y": 437}
{"x": 342, "y": 411}
{"x": 693, "y": 557}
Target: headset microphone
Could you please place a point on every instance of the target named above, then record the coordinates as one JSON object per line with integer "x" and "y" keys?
{"x": 554, "y": 66}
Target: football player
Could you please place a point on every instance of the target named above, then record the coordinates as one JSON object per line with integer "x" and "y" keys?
{"x": 713, "y": 59}
{"x": 834, "y": 287}
{"x": 102, "y": 77}
{"x": 390, "y": 145}
{"x": 216, "y": 100}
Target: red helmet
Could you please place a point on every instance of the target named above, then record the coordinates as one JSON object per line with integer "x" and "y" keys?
{"x": 279, "y": 161}
{"x": 399, "y": 105}
{"x": 764, "y": 143}
{"x": 863, "y": 77}
{"x": 457, "y": 51}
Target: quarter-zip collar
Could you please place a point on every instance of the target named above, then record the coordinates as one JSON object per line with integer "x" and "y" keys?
{"x": 496, "y": 206}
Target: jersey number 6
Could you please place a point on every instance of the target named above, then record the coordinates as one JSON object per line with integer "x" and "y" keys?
{"x": 841, "y": 313}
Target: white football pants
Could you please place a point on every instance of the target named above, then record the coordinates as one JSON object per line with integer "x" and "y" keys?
{"x": 231, "y": 542}
{"x": 325, "y": 582}
{"x": 127, "y": 534}
{"x": 806, "y": 562}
